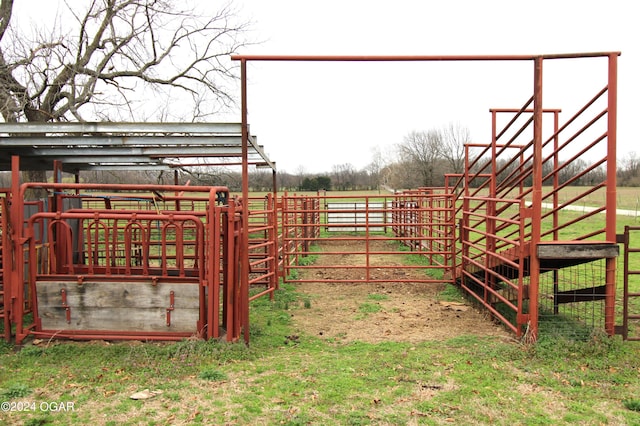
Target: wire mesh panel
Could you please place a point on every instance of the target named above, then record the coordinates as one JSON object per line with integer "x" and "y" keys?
{"x": 572, "y": 302}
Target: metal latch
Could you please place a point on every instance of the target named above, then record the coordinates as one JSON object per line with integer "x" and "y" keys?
{"x": 67, "y": 308}
{"x": 171, "y": 307}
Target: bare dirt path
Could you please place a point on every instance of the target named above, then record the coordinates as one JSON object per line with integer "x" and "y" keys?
{"x": 377, "y": 312}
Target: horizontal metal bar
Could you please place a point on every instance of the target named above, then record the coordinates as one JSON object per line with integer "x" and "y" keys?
{"x": 119, "y": 140}
{"x": 415, "y": 58}
{"x": 109, "y": 152}
{"x": 114, "y": 127}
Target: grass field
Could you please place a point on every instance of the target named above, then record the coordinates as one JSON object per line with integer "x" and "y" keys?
{"x": 282, "y": 378}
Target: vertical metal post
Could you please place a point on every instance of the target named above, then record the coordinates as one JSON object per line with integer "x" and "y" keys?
{"x": 216, "y": 228}
{"x": 612, "y": 115}
{"x": 7, "y": 265}
{"x": 625, "y": 289}
{"x": 16, "y": 252}
{"x": 556, "y": 213}
{"x": 275, "y": 231}
{"x": 244, "y": 248}
{"x": 490, "y": 279}
{"x": 536, "y": 200}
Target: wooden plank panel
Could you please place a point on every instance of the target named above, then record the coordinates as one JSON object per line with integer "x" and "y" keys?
{"x": 118, "y": 306}
{"x": 582, "y": 250}
{"x": 119, "y": 294}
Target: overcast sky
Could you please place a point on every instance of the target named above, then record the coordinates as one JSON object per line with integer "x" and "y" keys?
{"x": 315, "y": 115}
{"x": 311, "y": 116}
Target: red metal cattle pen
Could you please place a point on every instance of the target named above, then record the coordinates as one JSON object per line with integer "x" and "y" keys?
{"x": 123, "y": 273}
{"x": 519, "y": 260}
{"x": 96, "y": 241}
{"x": 513, "y": 241}
{"x": 364, "y": 238}
{"x": 143, "y": 238}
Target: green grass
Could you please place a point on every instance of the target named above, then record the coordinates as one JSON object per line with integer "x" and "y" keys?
{"x": 285, "y": 377}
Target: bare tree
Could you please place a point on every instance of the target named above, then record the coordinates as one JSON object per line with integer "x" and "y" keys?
{"x": 454, "y": 137}
{"x": 343, "y": 175}
{"x": 100, "y": 62}
{"x": 423, "y": 149}
{"x": 629, "y": 169}
{"x": 374, "y": 168}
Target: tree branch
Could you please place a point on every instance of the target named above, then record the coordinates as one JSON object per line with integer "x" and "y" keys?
{"x": 115, "y": 44}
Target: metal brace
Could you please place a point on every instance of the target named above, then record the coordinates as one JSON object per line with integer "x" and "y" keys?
{"x": 67, "y": 308}
{"x": 171, "y": 307}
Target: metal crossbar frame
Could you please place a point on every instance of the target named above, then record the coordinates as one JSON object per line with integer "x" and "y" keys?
{"x": 136, "y": 243}
{"x": 418, "y": 223}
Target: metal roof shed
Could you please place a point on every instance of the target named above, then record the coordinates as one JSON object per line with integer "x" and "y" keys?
{"x": 125, "y": 146}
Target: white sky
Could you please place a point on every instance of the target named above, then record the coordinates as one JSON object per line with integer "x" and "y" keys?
{"x": 315, "y": 115}
{"x": 311, "y": 116}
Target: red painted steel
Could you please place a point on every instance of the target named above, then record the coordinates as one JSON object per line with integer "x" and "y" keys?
{"x": 263, "y": 250}
{"x": 498, "y": 262}
{"x": 414, "y": 58}
{"x": 630, "y": 329}
{"x": 228, "y": 247}
{"x": 135, "y": 234}
{"x": 361, "y": 232}
{"x": 5, "y": 287}
{"x": 611, "y": 184}
{"x": 524, "y": 182}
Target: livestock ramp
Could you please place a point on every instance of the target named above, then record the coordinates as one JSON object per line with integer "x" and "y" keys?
{"x": 562, "y": 285}
{"x": 525, "y": 254}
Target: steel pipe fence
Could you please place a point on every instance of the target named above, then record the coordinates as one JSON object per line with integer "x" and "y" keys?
{"x": 363, "y": 239}
{"x": 263, "y": 250}
{"x": 5, "y": 288}
{"x": 519, "y": 226}
{"x": 129, "y": 266}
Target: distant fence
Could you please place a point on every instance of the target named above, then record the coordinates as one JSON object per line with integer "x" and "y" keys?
{"x": 357, "y": 216}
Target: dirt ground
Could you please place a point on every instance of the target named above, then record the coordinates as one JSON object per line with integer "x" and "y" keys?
{"x": 388, "y": 311}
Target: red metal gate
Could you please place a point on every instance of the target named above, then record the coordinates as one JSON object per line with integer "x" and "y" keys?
{"x": 630, "y": 328}
{"x": 363, "y": 239}
{"x": 135, "y": 265}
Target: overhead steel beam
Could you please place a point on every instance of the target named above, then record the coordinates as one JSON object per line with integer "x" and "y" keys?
{"x": 121, "y": 128}
{"x": 167, "y": 152}
{"x": 119, "y": 140}
{"x": 91, "y": 146}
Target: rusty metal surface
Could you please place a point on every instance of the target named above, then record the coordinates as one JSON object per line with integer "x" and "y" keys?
{"x": 509, "y": 201}
{"x": 5, "y": 288}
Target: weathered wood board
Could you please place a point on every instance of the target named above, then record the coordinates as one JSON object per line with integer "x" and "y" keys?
{"x": 577, "y": 250}
{"x": 119, "y": 306}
